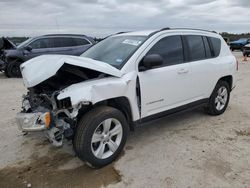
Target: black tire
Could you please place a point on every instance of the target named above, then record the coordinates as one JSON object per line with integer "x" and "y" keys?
{"x": 86, "y": 128}
{"x": 13, "y": 69}
{"x": 211, "y": 108}
{"x": 6, "y": 72}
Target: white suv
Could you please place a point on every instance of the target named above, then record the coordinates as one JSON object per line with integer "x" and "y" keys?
{"x": 123, "y": 81}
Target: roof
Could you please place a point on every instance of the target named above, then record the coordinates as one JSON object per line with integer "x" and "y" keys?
{"x": 71, "y": 35}
{"x": 68, "y": 35}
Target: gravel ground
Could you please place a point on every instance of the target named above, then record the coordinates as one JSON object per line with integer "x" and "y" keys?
{"x": 190, "y": 149}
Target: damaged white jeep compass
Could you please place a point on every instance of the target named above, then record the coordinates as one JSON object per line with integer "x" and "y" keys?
{"x": 124, "y": 80}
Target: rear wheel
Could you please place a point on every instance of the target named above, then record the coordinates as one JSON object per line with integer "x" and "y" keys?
{"x": 100, "y": 136}
{"x": 13, "y": 69}
{"x": 219, "y": 99}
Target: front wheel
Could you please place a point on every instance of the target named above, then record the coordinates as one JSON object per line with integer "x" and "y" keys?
{"x": 100, "y": 136}
{"x": 13, "y": 69}
{"x": 219, "y": 99}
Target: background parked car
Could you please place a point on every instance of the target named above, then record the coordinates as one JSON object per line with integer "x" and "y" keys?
{"x": 238, "y": 45}
{"x": 246, "y": 50}
{"x": 5, "y": 44}
{"x": 13, "y": 56}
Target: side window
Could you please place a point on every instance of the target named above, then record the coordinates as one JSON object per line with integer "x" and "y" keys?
{"x": 41, "y": 43}
{"x": 63, "y": 42}
{"x": 207, "y": 47}
{"x": 196, "y": 47}
{"x": 216, "y": 46}
{"x": 170, "y": 48}
{"x": 80, "y": 41}
{"x": 57, "y": 42}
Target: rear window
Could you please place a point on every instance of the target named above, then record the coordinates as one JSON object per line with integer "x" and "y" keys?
{"x": 196, "y": 47}
{"x": 216, "y": 46}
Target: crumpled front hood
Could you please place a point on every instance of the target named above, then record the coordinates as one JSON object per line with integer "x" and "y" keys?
{"x": 43, "y": 67}
{"x": 6, "y": 44}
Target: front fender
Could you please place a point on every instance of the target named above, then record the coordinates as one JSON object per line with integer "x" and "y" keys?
{"x": 95, "y": 91}
{"x": 13, "y": 54}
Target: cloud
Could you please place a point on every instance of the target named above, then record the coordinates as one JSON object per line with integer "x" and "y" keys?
{"x": 240, "y": 3}
{"x": 103, "y": 17}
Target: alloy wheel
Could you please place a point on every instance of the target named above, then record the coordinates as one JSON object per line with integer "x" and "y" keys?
{"x": 221, "y": 99}
{"x": 106, "y": 138}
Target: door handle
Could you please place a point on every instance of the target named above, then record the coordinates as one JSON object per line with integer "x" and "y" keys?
{"x": 183, "y": 71}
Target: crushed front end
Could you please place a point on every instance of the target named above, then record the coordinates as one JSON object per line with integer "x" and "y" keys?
{"x": 43, "y": 112}
{"x": 59, "y": 93}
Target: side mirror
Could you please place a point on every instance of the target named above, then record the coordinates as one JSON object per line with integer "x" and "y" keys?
{"x": 150, "y": 61}
{"x": 28, "y": 48}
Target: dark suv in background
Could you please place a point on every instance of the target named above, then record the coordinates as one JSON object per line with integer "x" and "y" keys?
{"x": 239, "y": 44}
{"x": 13, "y": 56}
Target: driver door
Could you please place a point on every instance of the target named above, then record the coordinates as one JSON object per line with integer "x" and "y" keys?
{"x": 167, "y": 86}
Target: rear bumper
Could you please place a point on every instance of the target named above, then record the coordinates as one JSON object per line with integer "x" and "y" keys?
{"x": 29, "y": 122}
{"x": 246, "y": 51}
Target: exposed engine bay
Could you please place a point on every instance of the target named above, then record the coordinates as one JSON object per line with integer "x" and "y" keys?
{"x": 67, "y": 75}
{"x": 42, "y": 98}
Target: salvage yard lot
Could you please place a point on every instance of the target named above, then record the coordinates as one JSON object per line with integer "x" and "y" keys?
{"x": 190, "y": 149}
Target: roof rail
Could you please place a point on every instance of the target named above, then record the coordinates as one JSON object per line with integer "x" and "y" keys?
{"x": 165, "y": 28}
{"x": 121, "y": 32}
{"x": 196, "y": 29}
{"x": 168, "y": 28}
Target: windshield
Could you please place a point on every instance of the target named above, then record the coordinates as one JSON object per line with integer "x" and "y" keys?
{"x": 115, "y": 50}
{"x": 23, "y": 44}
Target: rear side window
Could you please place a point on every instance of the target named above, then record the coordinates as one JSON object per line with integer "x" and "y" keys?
{"x": 57, "y": 42}
{"x": 80, "y": 41}
{"x": 207, "y": 47}
{"x": 216, "y": 46}
{"x": 170, "y": 48}
{"x": 196, "y": 47}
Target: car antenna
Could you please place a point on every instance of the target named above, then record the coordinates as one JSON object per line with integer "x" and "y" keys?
{"x": 57, "y": 25}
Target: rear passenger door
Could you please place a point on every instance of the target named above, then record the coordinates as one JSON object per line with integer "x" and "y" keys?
{"x": 70, "y": 45}
{"x": 168, "y": 86}
{"x": 63, "y": 45}
{"x": 202, "y": 66}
